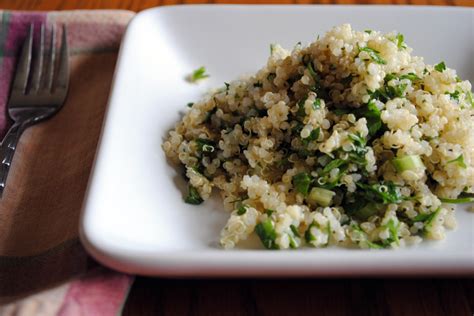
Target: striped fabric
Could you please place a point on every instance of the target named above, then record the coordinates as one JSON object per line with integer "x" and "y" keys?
{"x": 43, "y": 268}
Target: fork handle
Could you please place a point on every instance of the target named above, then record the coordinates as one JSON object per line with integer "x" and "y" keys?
{"x": 7, "y": 150}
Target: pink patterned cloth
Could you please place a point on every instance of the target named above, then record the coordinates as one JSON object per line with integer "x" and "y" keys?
{"x": 44, "y": 269}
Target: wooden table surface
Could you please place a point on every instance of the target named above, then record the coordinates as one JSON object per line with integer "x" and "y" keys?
{"x": 308, "y": 296}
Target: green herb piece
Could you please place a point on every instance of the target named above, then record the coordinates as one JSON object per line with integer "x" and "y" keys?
{"x": 302, "y": 181}
{"x": 190, "y": 104}
{"x": 258, "y": 84}
{"x": 312, "y": 136}
{"x": 317, "y": 104}
{"x": 461, "y": 199}
{"x": 372, "y": 113}
{"x": 193, "y": 196}
{"x": 301, "y": 110}
{"x": 272, "y": 48}
{"x": 308, "y": 236}
{"x": 321, "y": 196}
{"x": 269, "y": 212}
{"x": 440, "y": 67}
{"x": 267, "y": 234}
{"x": 385, "y": 193}
{"x": 428, "y": 223}
{"x": 374, "y": 55}
{"x": 199, "y": 74}
{"x": 358, "y": 140}
{"x": 295, "y": 230}
{"x": 459, "y": 161}
{"x": 374, "y": 245}
{"x": 205, "y": 145}
{"x": 336, "y": 163}
{"x": 368, "y": 31}
{"x": 470, "y": 98}
{"x": 409, "y": 162}
{"x": 400, "y": 41}
{"x": 454, "y": 95}
{"x": 311, "y": 70}
{"x": 410, "y": 76}
{"x": 393, "y": 230}
{"x": 242, "y": 209}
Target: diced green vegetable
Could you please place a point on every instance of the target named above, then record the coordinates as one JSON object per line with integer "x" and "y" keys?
{"x": 269, "y": 212}
{"x": 301, "y": 110}
{"x": 454, "y": 95}
{"x": 295, "y": 230}
{"x": 410, "y": 76}
{"x": 393, "y": 230}
{"x": 302, "y": 181}
{"x": 307, "y": 235}
{"x": 199, "y": 74}
{"x": 459, "y": 161}
{"x": 372, "y": 113}
{"x": 242, "y": 209}
{"x": 193, "y": 196}
{"x": 266, "y": 232}
{"x": 385, "y": 193}
{"x": 321, "y": 196}
{"x": 374, "y": 55}
{"x": 409, "y": 162}
{"x": 429, "y": 221}
{"x": 440, "y": 67}
{"x": 400, "y": 41}
{"x": 317, "y": 104}
{"x": 312, "y": 136}
{"x": 470, "y": 98}
{"x": 336, "y": 163}
{"x": 461, "y": 199}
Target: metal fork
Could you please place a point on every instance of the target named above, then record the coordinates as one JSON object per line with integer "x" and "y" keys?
{"x": 37, "y": 96}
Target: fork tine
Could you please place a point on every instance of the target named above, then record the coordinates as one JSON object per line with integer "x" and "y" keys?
{"x": 23, "y": 68}
{"x": 63, "y": 71}
{"x": 52, "y": 58}
{"x": 38, "y": 65}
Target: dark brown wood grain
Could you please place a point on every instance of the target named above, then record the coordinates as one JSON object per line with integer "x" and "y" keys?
{"x": 332, "y": 297}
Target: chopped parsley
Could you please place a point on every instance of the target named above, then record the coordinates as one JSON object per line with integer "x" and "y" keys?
{"x": 242, "y": 209}
{"x": 317, "y": 104}
{"x": 374, "y": 55}
{"x": 459, "y": 161}
{"x": 193, "y": 196}
{"x": 190, "y": 104}
{"x": 440, "y": 67}
{"x": 199, "y": 74}
{"x": 454, "y": 95}
{"x": 400, "y": 41}
{"x": 302, "y": 181}
{"x": 410, "y": 76}
{"x": 267, "y": 234}
{"x": 312, "y": 136}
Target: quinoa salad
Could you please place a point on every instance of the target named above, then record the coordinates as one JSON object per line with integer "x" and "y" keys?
{"x": 351, "y": 141}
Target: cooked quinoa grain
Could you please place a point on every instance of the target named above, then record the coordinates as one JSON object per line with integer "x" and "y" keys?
{"x": 351, "y": 141}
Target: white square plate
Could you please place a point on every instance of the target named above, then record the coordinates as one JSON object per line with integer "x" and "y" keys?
{"x": 134, "y": 218}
